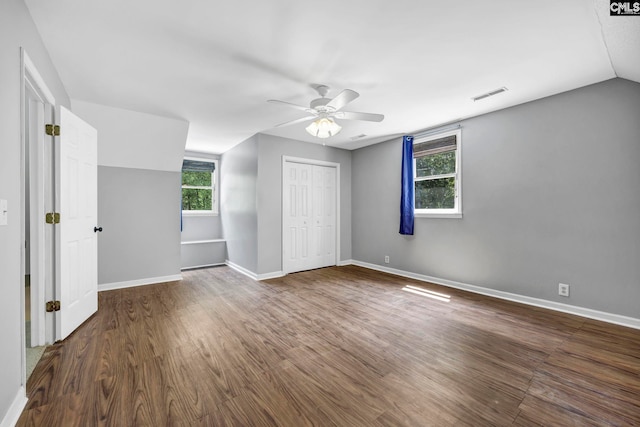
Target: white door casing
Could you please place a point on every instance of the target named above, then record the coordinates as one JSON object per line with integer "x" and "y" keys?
{"x": 309, "y": 214}
{"x": 76, "y": 241}
{"x": 37, "y": 108}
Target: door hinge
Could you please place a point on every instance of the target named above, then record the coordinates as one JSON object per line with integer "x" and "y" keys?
{"x": 53, "y": 306}
{"x": 53, "y": 130}
{"x": 52, "y": 218}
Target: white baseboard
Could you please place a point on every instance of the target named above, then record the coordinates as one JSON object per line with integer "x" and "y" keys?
{"x": 537, "y": 302}
{"x": 193, "y": 267}
{"x": 242, "y": 270}
{"x": 15, "y": 410}
{"x": 202, "y": 242}
{"x": 253, "y": 275}
{"x": 139, "y": 282}
{"x": 272, "y": 275}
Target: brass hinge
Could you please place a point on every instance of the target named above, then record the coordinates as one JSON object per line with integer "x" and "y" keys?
{"x": 52, "y": 130}
{"x": 52, "y": 218}
{"x": 53, "y": 306}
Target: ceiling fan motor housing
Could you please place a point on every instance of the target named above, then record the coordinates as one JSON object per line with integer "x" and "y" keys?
{"x": 320, "y": 105}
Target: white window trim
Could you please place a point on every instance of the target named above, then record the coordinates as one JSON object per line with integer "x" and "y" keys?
{"x": 215, "y": 188}
{"x": 456, "y": 212}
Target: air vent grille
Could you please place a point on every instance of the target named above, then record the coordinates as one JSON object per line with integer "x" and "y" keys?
{"x": 488, "y": 94}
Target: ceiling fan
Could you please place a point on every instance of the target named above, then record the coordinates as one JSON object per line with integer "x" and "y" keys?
{"x": 324, "y": 110}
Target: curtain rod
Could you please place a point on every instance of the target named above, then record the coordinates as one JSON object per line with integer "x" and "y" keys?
{"x": 433, "y": 131}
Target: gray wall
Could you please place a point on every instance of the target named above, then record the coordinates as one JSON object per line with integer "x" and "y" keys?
{"x": 238, "y": 208}
{"x": 271, "y": 149}
{"x": 251, "y": 199}
{"x": 200, "y": 228}
{"x": 16, "y": 30}
{"x": 139, "y": 211}
{"x": 550, "y": 194}
{"x": 139, "y": 163}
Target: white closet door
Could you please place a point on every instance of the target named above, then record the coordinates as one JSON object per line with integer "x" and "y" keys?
{"x": 309, "y": 210}
{"x": 324, "y": 216}
{"x": 297, "y": 216}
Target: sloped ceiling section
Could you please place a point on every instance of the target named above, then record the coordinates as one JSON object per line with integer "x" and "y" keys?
{"x": 420, "y": 63}
{"x": 130, "y": 139}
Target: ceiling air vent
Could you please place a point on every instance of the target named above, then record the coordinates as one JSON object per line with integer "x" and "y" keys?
{"x": 488, "y": 94}
{"x": 362, "y": 135}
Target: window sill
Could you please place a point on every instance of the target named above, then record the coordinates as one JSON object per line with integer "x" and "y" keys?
{"x": 453, "y": 215}
{"x": 199, "y": 213}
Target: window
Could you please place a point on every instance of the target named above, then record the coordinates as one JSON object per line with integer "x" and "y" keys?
{"x": 199, "y": 195}
{"x": 436, "y": 176}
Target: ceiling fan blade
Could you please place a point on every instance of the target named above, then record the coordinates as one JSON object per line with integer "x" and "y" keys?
{"x": 349, "y": 115}
{"x": 288, "y": 104}
{"x": 293, "y": 122}
{"x": 342, "y": 99}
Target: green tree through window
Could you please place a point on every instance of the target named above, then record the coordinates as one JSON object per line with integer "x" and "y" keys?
{"x": 436, "y": 174}
{"x": 198, "y": 189}
{"x": 438, "y": 193}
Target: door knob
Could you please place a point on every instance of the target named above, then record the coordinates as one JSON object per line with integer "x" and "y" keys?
{"x": 96, "y": 229}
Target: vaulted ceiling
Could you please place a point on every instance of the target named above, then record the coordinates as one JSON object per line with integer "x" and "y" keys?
{"x": 420, "y": 63}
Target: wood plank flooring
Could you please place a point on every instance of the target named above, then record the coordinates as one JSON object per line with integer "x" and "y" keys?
{"x": 341, "y": 346}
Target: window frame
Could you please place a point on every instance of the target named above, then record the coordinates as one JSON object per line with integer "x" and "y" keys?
{"x": 456, "y": 211}
{"x": 214, "y": 189}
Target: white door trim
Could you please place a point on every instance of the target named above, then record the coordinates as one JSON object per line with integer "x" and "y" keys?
{"x": 302, "y": 160}
{"x": 29, "y": 71}
{"x": 33, "y": 80}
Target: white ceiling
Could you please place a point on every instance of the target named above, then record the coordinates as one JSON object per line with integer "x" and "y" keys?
{"x": 215, "y": 63}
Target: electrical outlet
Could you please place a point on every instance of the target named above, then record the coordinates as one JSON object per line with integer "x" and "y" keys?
{"x": 386, "y": 259}
{"x": 563, "y": 289}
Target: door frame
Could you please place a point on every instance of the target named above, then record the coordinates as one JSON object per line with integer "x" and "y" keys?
{"x": 312, "y": 162}
{"x": 33, "y": 80}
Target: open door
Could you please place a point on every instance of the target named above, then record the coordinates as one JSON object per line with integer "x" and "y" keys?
{"x": 76, "y": 239}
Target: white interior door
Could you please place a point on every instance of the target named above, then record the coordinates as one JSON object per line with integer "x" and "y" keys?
{"x": 309, "y": 216}
{"x": 76, "y": 240}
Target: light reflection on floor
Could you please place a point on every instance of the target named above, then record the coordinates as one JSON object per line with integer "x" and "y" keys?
{"x": 427, "y": 293}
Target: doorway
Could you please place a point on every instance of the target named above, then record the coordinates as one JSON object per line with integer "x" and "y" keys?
{"x": 310, "y": 214}
{"x": 34, "y": 115}
{"x": 37, "y": 193}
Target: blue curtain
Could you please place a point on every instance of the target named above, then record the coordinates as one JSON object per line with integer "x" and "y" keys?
{"x": 407, "y": 202}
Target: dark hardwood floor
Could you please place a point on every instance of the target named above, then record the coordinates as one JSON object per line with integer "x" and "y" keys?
{"x": 342, "y": 346}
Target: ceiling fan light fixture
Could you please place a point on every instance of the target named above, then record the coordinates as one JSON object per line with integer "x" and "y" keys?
{"x": 323, "y": 128}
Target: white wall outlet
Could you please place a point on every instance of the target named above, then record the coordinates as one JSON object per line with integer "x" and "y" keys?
{"x": 563, "y": 289}
{"x": 3, "y": 212}
{"x": 386, "y": 259}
